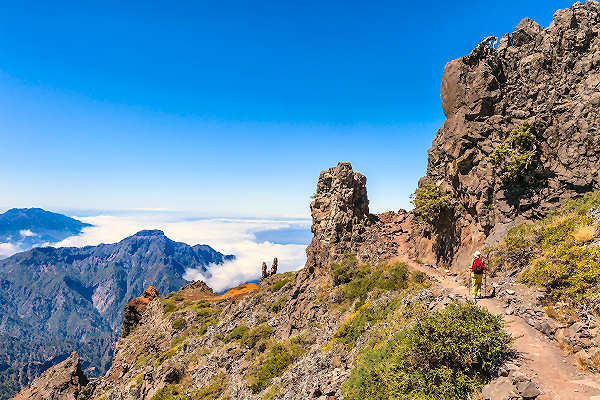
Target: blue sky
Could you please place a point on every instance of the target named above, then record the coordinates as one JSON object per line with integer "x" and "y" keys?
{"x": 226, "y": 108}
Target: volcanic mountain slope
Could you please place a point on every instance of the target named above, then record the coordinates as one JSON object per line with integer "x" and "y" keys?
{"x": 28, "y": 227}
{"x": 335, "y": 329}
{"x": 58, "y": 300}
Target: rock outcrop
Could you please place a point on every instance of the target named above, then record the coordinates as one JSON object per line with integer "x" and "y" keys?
{"x": 61, "y": 382}
{"x": 135, "y": 307}
{"x": 549, "y": 77}
{"x": 340, "y": 213}
{"x": 267, "y": 273}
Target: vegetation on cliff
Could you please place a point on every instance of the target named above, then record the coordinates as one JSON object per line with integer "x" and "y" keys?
{"x": 514, "y": 155}
{"x": 432, "y": 203}
{"x": 560, "y": 252}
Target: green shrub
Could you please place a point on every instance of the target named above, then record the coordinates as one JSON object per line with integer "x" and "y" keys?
{"x": 272, "y": 393}
{"x": 279, "y": 284}
{"x": 237, "y": 333}
{"x": 200, "y": 304}
{"x": 168, "y": 354}
{"x": 256, "y": 334}
{"x": 203, "y": 312}
{"x": 513, "y": 156}
{"x": 555, "y": 252}
{"x": 276, "y": 306}
{"x": 277, "y": 360}
{"x": 214, "y": 390}
{"x": 143, "y": 359}
{"x": 579, "y": 206}
{"x": 171, "y": 392}
{"x": 85, "y": 392}
{"x": 445, "y": 355}
{"x": 175, "y": 296}
{"x": 169, "y": 306}
{"x": 346, "y": 270}
{"x": 432, "y": 203}
{"x": 139, "y": 379}
{"x": 366, "y": 316}
{"x": 419, "y": 277}
{"x": 357, "y": 280}
{"x": 178, "y": 324}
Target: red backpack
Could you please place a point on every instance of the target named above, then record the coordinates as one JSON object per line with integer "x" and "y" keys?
{"x": 477, "y": 267}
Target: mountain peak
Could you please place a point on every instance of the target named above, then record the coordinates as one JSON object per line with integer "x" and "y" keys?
{"x": 150, "y": 233}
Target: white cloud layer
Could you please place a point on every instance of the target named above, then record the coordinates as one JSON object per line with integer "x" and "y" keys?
{"x": 227, "y": 235}
{"x": 8, "y": 249}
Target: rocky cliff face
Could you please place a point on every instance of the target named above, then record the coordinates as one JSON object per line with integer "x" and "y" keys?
{"x": 61, "y": 382}
{"x": 549, "y": 77}
{"x": 132, "y": 314}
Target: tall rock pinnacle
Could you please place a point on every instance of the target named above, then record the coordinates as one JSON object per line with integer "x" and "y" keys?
{"x": 340, "y": 214}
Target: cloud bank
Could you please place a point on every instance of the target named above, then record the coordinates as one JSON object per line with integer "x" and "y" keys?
{"x": 227, "y": 235}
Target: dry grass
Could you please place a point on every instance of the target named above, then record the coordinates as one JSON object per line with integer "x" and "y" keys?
{"x": 567, "y": 349}
{"x": 584, "y": 233}
{"x": 565, "y": 313}
{"x": 477, "y": 396}
{"x": 582, "y": 365}
{"x": 336, "y": 362}
{"x": 596, "y": 362}
{"x": 553, "y": 313}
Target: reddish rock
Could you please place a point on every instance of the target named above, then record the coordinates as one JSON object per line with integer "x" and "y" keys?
{"x": 135, "y": 307}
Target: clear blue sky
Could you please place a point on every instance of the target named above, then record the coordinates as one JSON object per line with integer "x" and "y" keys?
{"x": 226, "y": 108}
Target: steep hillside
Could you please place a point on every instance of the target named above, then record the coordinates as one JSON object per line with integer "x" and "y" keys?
{"x": 58, "y": 300}
{"x": 494, "y": 176}
{"x": 28, "y": 227}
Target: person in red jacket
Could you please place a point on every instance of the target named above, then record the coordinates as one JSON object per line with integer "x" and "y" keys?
{"x": 476, "y": 275}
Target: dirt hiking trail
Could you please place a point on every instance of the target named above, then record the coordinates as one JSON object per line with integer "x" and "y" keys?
{"x": 556, "y": 372}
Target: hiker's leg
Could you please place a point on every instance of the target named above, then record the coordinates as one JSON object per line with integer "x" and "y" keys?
{"x": 473, "y": 284}
{"x": 478, "y": 279}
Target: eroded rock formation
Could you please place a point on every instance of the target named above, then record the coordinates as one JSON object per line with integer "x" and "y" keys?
{"x": 135, "y": 307}
{"x": 267, "y": 273}
{"x": 340, "y": 213}
{"x": 61, "y": 382}
{"x": 547, "y": 76}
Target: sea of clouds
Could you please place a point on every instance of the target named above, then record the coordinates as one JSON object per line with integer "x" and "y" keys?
{"x": 228, "y": 235}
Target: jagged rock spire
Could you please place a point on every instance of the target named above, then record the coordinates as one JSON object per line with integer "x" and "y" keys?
{"x": 340, "y": 213}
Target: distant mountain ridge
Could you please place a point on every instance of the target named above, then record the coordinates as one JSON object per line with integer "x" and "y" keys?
{"x": 28, "y": 227}
{"x": 56, "y": 300}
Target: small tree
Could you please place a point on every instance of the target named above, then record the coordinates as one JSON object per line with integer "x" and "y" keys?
{"x": 431, "y": 203}
{"x": 513, "y": 157}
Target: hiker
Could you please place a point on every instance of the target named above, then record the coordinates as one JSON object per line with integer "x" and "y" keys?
{"x": 476, "y": 275}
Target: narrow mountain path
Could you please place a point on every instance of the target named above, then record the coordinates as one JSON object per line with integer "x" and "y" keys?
{"x": 556, "y": 373}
